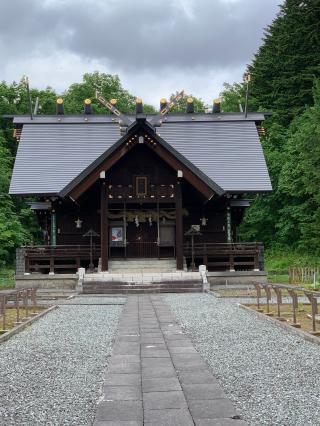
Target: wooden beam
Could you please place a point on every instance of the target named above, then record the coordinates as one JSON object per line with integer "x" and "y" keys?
{"x": 104, "y": 227}
{"x": 179, "y": 228}
{"x": 95, "y": 175}
{"x": 163, "y": 153}
{"x": 176, "y": 164}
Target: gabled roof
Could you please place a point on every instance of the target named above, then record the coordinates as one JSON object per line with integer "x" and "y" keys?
{"x": 50, "y": 156}
{"x": 224, "y": 150}
{"x": 228, "y": 152}
{"x": 142, "y": 125}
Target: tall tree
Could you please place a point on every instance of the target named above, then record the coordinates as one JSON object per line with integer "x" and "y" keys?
{"x": 181, "y": 105}
{"x": 108, "y": 85}
{"x": 288, "y": 61}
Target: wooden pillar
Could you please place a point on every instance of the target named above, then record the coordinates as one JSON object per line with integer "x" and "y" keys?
{"x": 179, "y": 227}
{"x": 229, "y": 225}
{"x": 104, "y": 227}
{"x": 53, "y": 228}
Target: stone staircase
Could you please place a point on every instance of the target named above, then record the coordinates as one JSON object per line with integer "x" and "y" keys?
{"x": 142, "y": 276}
{"x": 136, "y": 266}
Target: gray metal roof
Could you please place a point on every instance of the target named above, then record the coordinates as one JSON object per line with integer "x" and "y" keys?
{"x": 229, "y": 153}
{"x": 50, "y": 156}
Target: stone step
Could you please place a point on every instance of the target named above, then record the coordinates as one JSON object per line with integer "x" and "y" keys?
{"x": 142, "y": 265}
{"x": 141, "y": 270}
{"x": 142, "y": 290}
{"x": 137, "y": 286}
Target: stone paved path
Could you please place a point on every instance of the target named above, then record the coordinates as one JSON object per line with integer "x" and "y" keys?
{"x": 156, "y": 377}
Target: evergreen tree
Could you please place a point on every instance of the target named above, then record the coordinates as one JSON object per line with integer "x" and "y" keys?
{"x": 288, "y": 61}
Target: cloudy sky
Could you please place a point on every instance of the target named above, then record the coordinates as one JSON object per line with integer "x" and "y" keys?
{"x": 155, "y": 46}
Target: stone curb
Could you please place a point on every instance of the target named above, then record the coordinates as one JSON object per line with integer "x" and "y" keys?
{"x": 6, "y": 336}
{"x": 292, "y": 330}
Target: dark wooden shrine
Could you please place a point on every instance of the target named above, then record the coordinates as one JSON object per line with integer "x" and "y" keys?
{"x": 140, "y": 182}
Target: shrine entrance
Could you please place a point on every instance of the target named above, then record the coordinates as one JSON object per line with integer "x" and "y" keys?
{"x": 142, "y": 232}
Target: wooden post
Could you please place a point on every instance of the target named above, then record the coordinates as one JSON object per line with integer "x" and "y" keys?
{"x": 179, "y": 228}
{"x": 104, "y": 226}
{"x": 53, "y": 228}
{"x": 229, "y": 225}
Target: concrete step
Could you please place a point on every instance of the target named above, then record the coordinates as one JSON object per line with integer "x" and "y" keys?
{"x": 121, "y": 286}
{"x": 142, "y": 265}
{"x": 141, "y": 270}
{"x": 140, "y": 286}
{"x": 155, "y": 289}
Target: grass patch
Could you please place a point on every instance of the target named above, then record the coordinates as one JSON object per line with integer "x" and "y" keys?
{"x": 6, "y": 279}
{"x": 278, "y": 261}
{"x": 11, "y": 316}
{"x": 278, "y": 278}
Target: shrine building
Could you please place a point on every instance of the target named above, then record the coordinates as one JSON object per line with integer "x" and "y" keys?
{"x": 140, "y": 186}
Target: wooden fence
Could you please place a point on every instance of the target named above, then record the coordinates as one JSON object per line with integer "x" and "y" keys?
{"x": 17, "y": 299}
{"x": 303, "y": 275}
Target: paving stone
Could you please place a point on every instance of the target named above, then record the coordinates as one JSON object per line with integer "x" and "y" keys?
{"x": 155, "y": 353}
{"x": 171, "y": 417}
{"x": 160, "y": 384}
{"x": 220, "y": 422}
{"x": 199, "y": 377}
{"x": 129, "y": 348}
{"x": 125, "y": 358}
{"x": 122, "y": 393}
{"x": 151, "y": 340}
{"x": 124, "y": 368}
{"x": 116, "y": 423}
{"x": 122, "y": 379}
{"x": 190, "y": 365}
{"x": 150, "y": 361}
{"x": 152, "y": 335}
{"x": 151, "y": 372}
{"x": 211, "y": 409}
{"x": 120, "y": 410}
{"x": 194, "y": 357}
{"x": 128, "y": 338}
{"x": 153, "y": 346}
{"x": 183, "y": 350}
{"x": 203, "y": 391}
{"x": 156, "y": 362}
{"x": 164, "y": 400}
{"x": 186, "y": 343}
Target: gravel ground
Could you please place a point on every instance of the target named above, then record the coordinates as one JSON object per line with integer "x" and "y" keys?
{"x": 84, "y": 300}
{"x": 271, "y": 375}
{"x": 263, "y": 300}
{"x": 50, "y": 374}
{"x": 99, "y": 300}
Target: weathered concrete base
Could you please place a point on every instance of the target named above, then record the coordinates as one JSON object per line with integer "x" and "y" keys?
{"x": 237, "y": 277}
{"x": 67, "y": 282}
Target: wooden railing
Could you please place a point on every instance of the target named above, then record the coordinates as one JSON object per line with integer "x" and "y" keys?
{"x": 219, "y": 257}
{"x": 226, "y": 256}
{"x": 57, "y": 258}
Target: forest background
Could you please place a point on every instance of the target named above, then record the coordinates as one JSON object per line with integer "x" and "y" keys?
{"x": 285, "y": 80}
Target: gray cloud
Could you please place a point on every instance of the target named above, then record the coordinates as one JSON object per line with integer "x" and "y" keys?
{"x": 139, "y": 34}
{"x": 128, "y": 37}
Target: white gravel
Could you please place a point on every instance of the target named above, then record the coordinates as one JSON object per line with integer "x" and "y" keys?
{"x": 271, "y": 375}
{"x": 50, "y": 374}
{"x": 97, "y": 300}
